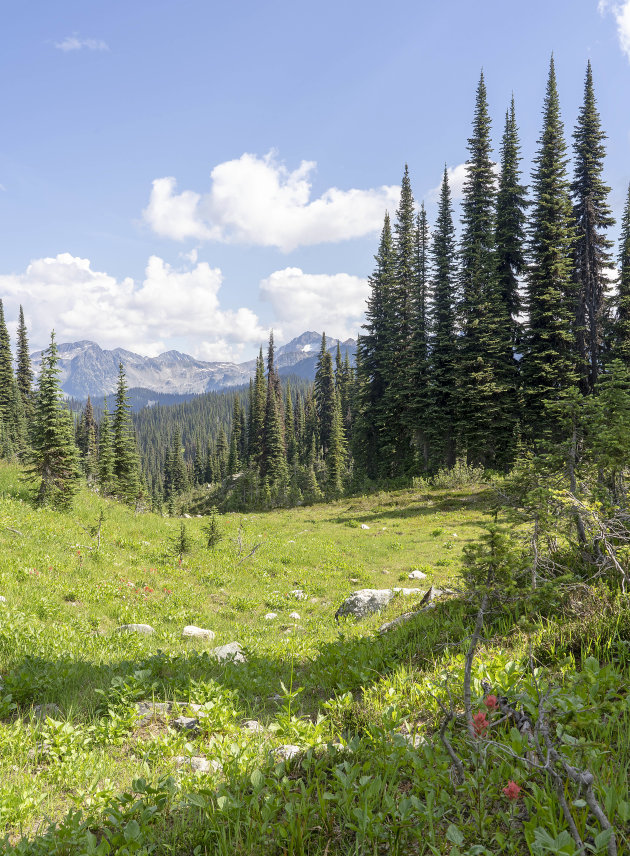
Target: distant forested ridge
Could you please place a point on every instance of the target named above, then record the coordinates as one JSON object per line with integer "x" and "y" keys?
{"x": 480, "y": 344}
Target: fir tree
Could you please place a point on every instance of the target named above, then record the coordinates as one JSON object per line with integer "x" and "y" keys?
{"x": 175, "y": 472}
{"x": 289, "y": 429}
{"x": 621, "y": 329}
{"x": 443, "y": 378}
{"x": 234, "y": 459}
{"x": 221, "y": 456}
{"x": 257, "y": 412}
{"x": 125, "y": 458}
{"x": 52, "y": 461}
{"x": 550, "y": 361}
{"x": 7, "y": 388}
{"x": 274, "y": 466}
{"x": 592, "y": 248}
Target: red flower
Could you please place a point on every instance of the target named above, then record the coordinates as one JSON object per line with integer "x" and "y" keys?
{"x": 491, "y": 702}
{"x": 512, "y": 791}
{"x": 480, "y": 722}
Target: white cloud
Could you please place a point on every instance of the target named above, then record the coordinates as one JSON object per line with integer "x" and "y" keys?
{"x": 255, "y": 200}
{"x": 456, "y": 179}
{"x": 75, "y": 43}
{"x": 621, "y": 14}
{"x": 169, "y": 306}
{"x": 332, "y": 303}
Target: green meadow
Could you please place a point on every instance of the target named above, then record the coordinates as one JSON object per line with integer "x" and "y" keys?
{"x": 325, "y": 740}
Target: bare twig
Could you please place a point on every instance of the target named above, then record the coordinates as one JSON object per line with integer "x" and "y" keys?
{"x": 251, "y": 553}
{"x": 14, "y": 531}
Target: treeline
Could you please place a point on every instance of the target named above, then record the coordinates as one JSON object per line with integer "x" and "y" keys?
{"x": 467, "y": 341}
{"x": 475, "y": 349}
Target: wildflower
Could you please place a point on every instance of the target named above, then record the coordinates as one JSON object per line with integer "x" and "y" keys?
{"x": 512, "y": 791}
{"x": 480, "y": 722}
{"x": 491, "y": 702}
{"x": 148, "y": 588}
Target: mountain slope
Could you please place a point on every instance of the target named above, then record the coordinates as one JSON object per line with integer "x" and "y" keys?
{"x": 88, "y": 369}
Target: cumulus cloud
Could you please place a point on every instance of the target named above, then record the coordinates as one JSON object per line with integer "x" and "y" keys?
{"x": 75, "y": 43}
{"x": 334, "y": 303}
{"x": 254, "y": 200}
{"x": 621, "y": 13}
{"x": 167, "y": 306}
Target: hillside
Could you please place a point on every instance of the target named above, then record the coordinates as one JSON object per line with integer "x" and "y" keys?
{"x": 325, "y": 740}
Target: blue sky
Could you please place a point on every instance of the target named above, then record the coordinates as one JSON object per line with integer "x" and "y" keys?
{"x": 187, "y": 174}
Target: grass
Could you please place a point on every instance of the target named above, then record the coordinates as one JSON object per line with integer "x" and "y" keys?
{"x": 353, "y": 702}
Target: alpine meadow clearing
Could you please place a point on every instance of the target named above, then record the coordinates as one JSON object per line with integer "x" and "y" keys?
{"x": 327, "y": 738}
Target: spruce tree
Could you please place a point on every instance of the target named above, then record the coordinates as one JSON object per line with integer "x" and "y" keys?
{"x": 372, "y": 360}
{"x": 486, "y": 400}
{"x": 234, "y": 458}
{"x": 7, "y": 387}
{"x": 418, "y": 369}
{"x": 337, "y": 452}
{"x": 396, "y": 448}
{"x": 86, "y": 441}
{"x": 442, "y": 395}
{"x": 221, "y": 456}
{"x": 125, "y": 458}
{"x": 105, "y": 452}
{"x": 550, "y": 361}
{"x": 324, "y": 394}
{"x": 509, "y": 238}
{"x": 621, "y": 330}
{"x": 274, "y": 468}
{"x": 257, "y": 412}
{"x": 52, "y": 461}
{"x": 24, "y": 371}
{"x": 592, "y": 248}
{"x": 289, "y": 429}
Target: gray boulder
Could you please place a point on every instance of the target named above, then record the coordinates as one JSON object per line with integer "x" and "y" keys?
{"x": 186, "y": 723}
{"x": 368, "y": 601}
{"x": 232, "y": 651}
{"x": 286, "y": 752}
{"x": 199, "y": 632}
{"x": 417, "y": 575}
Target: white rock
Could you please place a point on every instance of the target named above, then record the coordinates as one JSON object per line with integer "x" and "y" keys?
{"x": 135, "y": 628}
{"x": 197, "y": 763}
{"x": 417, "y": 575}
{"x": 270, "y": 616}
{"x": 407, "y": 592}
{"x": 231, "y": 651}
{"x": 364, "y": 602}
{"x": 295, "y": 616}
{"x": 298, "y": 594}
{"x": 201, "y": 632}
{"x": 253, "y": 726}
{"x": 286, "y": 752}
{"x": 364, "y": 526}
{"x": 187, "y": 516}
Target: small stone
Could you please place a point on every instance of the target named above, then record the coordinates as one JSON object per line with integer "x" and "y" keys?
{"x": 135, "y": 628}
{"x": 231, "y": 651}
{"x": 354, "y": 579}
{"x": 290, "y": 542}
{"x": 417, "y": 575}
{"x": 270, "y": 616}
{"x": 253, "y": 726}
{"x": 298, "y": 594}
{"x": 187, "y": 516}
{"x": 200, "y": 632}
{"x": 286, "y": 752}
{"x": 47, "y": 711}
{"x": 186, "y": 723}
{"x": 197, "y": 763}
{"x": 295, "y": 616}
{"x": 364, "y": 526}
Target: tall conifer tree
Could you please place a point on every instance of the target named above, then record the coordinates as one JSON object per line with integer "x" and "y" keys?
{"x": 324, "y": 394}
{"x": 125, "y": 457}
{"x": 24, "y": 372}
{"x": 443, "y": 378}
{"x": 418, "y": 371}
{"x": 592, "y": 248}
{"x": 550, "y": 360}
{"x": 52, "y": 461}
{"x": 621, "y": 330}
{"x": 372, "y": 358}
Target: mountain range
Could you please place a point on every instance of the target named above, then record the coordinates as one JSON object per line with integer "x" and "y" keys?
{"x": 88, "y": 369}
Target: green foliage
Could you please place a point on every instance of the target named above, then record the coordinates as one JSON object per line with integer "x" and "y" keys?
{"x": 212, "y": 530}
